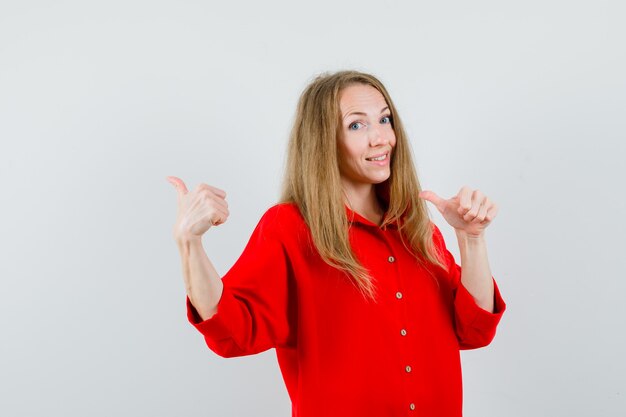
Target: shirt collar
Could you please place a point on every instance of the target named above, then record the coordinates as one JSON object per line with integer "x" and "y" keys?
{"x": 354, "y": 217}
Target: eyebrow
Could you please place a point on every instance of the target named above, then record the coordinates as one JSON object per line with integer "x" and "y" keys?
{"x": 363, "y": 114}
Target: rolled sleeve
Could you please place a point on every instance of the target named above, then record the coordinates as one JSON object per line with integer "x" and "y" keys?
{"x": 214, "y": 328}
{"x": 475, "y": 326}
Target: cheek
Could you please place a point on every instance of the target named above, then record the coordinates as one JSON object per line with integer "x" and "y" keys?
{"x": 343, "y": 154}
{"x": 348, "y": 150}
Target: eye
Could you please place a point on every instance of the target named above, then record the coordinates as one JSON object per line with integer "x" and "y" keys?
{"x": 386, "y": 119}
{"x": 353, "y": 125}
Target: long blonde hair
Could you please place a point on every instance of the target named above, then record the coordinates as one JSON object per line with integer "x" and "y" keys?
{"x": 312, "y": 180}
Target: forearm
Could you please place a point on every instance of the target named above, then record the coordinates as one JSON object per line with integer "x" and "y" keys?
{"x": 475, "y": 272}
{"x": 202, "y": 282}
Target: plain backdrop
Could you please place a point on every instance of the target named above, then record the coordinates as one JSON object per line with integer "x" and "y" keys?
{"x": 100, "y": 101}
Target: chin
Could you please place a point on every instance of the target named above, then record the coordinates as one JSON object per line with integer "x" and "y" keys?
{"x": 381, "y": 179}
{"x": 378, "y": 182}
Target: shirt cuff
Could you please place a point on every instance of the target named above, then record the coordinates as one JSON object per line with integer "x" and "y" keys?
{"x": 215, "y": 327}
{"x": 472, "y": 315}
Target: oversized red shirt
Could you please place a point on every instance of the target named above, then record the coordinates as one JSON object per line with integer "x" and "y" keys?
{"x": 340, "y": 355}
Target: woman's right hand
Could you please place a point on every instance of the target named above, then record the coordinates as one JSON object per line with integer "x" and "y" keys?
{"x": 198, "y": 210}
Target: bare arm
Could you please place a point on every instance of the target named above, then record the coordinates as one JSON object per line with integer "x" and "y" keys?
{"x": 202, "y": 282}
{"x": 475, "y": 271}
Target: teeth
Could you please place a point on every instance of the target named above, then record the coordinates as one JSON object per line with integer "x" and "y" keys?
{"x": 380, "y": 158}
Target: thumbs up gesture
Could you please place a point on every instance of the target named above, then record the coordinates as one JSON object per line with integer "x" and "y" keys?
{"x": 198, "y": 210}
{"x": 470, "y": 211}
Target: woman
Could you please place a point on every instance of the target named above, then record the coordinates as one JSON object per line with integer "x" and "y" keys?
{"x": 347, "y": 277}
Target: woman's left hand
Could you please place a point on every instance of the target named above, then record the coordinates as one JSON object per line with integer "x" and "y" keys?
{"x": 470, "y": 211}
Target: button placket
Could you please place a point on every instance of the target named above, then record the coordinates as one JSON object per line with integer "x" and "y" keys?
{"x": 395, "y": 269}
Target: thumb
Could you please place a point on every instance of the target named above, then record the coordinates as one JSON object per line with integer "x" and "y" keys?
{"x": 432, "y": 197}
{"x": 180, "y": 186}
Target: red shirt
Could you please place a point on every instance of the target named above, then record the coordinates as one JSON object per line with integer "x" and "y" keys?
{"x": 341, "y": 356}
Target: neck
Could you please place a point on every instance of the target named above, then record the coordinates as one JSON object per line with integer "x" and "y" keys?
{"x": 362, "y": 199}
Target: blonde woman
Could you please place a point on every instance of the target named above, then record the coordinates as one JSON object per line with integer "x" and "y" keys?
{"x": 347, "y": 277}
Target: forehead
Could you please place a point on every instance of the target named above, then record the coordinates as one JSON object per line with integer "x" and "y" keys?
{"x": 361, "y": 96}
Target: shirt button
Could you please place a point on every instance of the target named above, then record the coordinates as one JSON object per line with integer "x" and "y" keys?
{"x": 412, "y": 406}
{"x": 408, "y": 368}
{"x": 398, "y": 295}
{"x": 403, "y": 332}
{"x": 391, "y": 259}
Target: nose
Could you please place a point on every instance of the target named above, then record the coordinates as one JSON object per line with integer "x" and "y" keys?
{"x": 376, "y": 136}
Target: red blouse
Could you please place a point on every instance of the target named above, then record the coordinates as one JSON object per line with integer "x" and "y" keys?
{"x": 340, "y": 355}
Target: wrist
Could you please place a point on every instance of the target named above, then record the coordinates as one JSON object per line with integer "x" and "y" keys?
{"x": 463, "y": 236}
{"x": 186, "y": 241}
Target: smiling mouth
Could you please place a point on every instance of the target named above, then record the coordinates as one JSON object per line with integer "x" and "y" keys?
{"x": 378, "y": 158}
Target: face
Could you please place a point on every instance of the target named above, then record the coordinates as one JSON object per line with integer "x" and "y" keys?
{"x": 367, "y": 139}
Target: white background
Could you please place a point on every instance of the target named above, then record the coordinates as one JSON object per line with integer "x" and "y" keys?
{"x": 100, "y": 101}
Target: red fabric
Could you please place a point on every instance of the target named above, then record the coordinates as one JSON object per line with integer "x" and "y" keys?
{"x": 339, "y": 355}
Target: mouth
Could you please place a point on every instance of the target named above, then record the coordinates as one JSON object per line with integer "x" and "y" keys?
{"x": 378, "y": 158}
